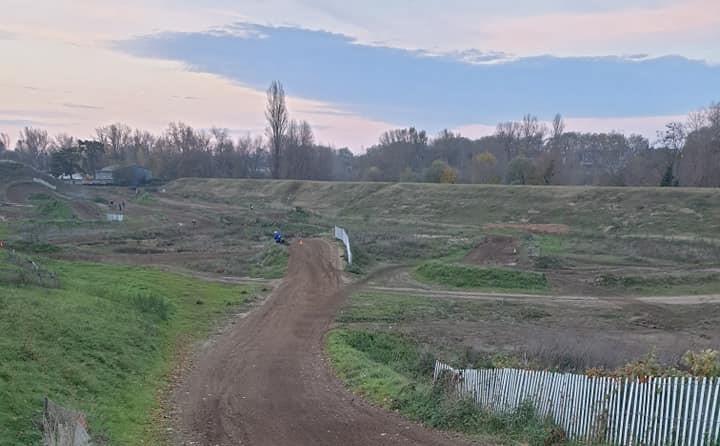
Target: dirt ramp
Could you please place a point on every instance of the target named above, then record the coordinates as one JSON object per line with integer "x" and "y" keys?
{"x": 494, "y": 250}
{"x": 265, "y": 381}
{"x": 20, "y": 192}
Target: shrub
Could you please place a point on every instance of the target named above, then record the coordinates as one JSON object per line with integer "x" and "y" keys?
{"x": 547, "y": 262}
{"x": 153, "y": 305}
{"x": 703, "y": 363}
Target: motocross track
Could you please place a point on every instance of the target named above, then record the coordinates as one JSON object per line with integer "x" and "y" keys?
{"x": 265, "y": 381}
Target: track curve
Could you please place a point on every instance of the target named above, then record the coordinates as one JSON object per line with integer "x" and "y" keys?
{"x": 265, "y": 381}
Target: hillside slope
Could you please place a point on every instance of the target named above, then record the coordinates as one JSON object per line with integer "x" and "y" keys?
{"x": 648, "y": 211}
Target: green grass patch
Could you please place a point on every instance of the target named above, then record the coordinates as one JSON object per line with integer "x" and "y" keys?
{"x": 550, "y": 244}
{"x": 103, "y": 343}
{"x": 466, "y": 276}
{"x": 392, "y": 372}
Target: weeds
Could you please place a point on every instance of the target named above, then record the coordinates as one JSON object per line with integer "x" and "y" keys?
{"x": 20, "y": 270}
{"x": 154, "y": 305}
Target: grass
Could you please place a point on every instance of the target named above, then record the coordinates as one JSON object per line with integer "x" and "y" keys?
{"x": 270, "y": 263}
{"x": 388, "y": 308}
{"x": 550, "y": 244}
{"x": 103, "y": 343}
{"x": 33, "y": 247}
{"x": 466, "y": 276}
{"x": 145, "y": 198}
{"x": 392, "y": 372}
{"x": 667, "y": 284}
{"x": 49, "y": 208}
{"x": 4, "y": 230}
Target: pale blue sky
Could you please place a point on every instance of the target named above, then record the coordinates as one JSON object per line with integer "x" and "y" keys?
{"x": 354, "y": 69}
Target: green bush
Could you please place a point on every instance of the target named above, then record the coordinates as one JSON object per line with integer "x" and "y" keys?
{"x": 151, "y": 304}
{"x": 547, "y": 262}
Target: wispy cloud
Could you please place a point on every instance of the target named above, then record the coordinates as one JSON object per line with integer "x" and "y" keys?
{"x": 81, "y": 106}
{"x": 20, "y": 123}
{"x": 6, "y": 35}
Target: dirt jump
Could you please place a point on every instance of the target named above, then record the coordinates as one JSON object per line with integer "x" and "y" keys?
{"x": 265, "y": 382}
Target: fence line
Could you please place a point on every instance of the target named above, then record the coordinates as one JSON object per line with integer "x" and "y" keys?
{"x": 115, "y": 217}
{"x": 340, "y": 234}
{"x": 620, "y": 411}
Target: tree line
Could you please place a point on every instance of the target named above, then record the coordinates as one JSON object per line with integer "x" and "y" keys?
{"x": 526, "y": 151}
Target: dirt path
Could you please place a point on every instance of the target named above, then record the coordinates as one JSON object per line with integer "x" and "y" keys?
{"x": 265, "y": 381}
{"x": 692, "y": 299}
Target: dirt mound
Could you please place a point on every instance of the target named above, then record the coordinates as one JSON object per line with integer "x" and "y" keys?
{"x": 494, "y": 250}
{"x": 12, "y": 171}
{"x": 533, "y": 228}
{"x": 20, "y": 192}
{"x": 265, "y": 381}
{"x": 85, "y": 210}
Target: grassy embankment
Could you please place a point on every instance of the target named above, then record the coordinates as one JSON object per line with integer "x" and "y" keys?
{"x": 665, "y": 228}
{"x": 392, "y": 372}
{"x": 101, "y": 339}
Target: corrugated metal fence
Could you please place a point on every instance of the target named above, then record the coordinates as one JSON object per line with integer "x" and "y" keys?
{"x": 340, "y": 234}
{"x": 656, "y": 411}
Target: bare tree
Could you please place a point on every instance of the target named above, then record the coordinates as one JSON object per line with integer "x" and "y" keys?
{"x": 674, "y": 136}
{"x": 509, "y": 134}
{"x": 558, "y": 126}
{"x": 277, "y": 123}
{"x": 116, "y": 139}
{"x": 697, "y": 120}
{"x": 62, "y": 141}
{"x": 4, "y": 142}
{"x": 32, "y": 147}
{"x": 713, "y": 115}
{"x": 307, "y": 138}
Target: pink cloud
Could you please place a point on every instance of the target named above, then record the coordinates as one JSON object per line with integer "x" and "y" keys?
{"x": 560, "y": 32}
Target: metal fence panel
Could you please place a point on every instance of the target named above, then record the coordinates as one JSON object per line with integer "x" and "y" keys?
{"x": 341, "y": 234}
{"x": 649, "y": 412}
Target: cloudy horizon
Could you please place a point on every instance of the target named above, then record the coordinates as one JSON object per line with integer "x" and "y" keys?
{"x": 357, "y": 70}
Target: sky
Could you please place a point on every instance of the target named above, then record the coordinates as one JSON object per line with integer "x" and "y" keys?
{"x": 356, "y": 69}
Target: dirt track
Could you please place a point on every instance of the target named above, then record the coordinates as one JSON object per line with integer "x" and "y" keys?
{"x": 265, "y": 381}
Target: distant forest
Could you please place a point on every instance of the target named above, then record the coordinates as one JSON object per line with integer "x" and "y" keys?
{"x": 520, "y": 152}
